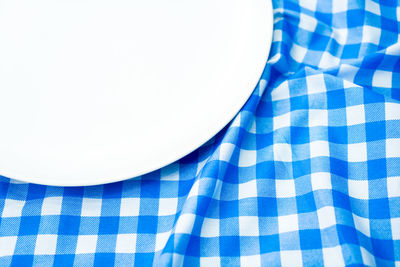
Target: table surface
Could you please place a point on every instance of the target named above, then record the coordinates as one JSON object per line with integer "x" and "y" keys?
{"x": 308, "y": 171}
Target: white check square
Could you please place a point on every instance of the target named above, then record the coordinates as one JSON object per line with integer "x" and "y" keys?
{"x": 328, "y": 60}
{"x": 395, "y": 223}
{"x": 130, "y": 206}
{"x": 248, "y": 189}
{"x": 161, "y": 240}
{"x": 339, "y": 6}
{"x": 309, "y": 4}
{"x": 333, "y": 256}
{"x": 392, "y": 111}
{"x": 358, "y": 189}
{"x": 208, "y": 261}
{"x": 393, "y": 148}
{"x": 357, "y": 152}
{"x": 393, "y": 186}
{"x": 167, "y": 206}
{"x": 247, "y": 158}
{"x": 298, "y": 52}
{"x": 91, "y": 207}
{"x": 316, "y": 84}
{"x": 285, "y": 188}
{"x": 126, "y": 243}
{"x": 86, "y": 244}
{"x": 307, "y": 22}
{"x": 185, "y": 223}
{"x": 210, "y": 227}
{"x": 317, "y": 117}
{"x": 371, "y": 35}
{"x": 321, "y": 180}
{"x": 282, "y": 152}
{"x": 355, "y": 115}
{"x": 288, "y": 223}
{"x": 372, "y": 7}
{"x": 7, "y": 245}
{"x": 248, "y": 226}
{"x": 12, "y": 208}
{"x": 382, "y": 78}
{"x": 46, "y": 245}
{"x": 281, "y": 121}
{"x": 51, "y": 206}
{"x": 250, "y": 261}
{"x": 281, "y": 92}
{"x": 362, "y": 225}
{"x": 326, "y": 217}
{"x": 368, "y": 258}
{"x": 319, "y": 148}
{"x": 291, "y": 258}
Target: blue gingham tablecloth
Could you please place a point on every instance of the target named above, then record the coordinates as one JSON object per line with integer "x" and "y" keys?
{"x": 307, "y": 173}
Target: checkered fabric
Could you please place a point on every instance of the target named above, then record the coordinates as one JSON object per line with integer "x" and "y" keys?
{"x": 307, "y": 173}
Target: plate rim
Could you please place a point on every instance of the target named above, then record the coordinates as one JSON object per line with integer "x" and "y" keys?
{"x": 113, "y": 179}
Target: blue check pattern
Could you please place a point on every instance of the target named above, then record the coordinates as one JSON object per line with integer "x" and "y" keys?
{"x": 307, "y": 173}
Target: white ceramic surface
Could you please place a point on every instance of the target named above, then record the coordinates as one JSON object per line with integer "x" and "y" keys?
{"x": 97, "y": 91}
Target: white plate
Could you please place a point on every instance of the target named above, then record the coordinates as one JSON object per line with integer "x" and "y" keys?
{"x": 97, "y": 91}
